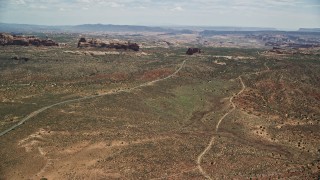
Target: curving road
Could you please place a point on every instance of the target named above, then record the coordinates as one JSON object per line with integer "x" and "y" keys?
{"x": 211, "y": 143}
{"x": 35, "y": 113}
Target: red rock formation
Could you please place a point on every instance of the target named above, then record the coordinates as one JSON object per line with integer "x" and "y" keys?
{"x": 20, "y": 42}
{"x": 48, "y": 42}
{"x": 191, "y": 51}
{"x": 134, "y": 47}
{"x": 83, "y": 43}
{"x": 82, "y": 40}
{"x": 35, "y": 42}
{"x": 7, "y": 39}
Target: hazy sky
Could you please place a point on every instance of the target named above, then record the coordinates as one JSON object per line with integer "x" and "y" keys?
{"x": 285, "y": 14}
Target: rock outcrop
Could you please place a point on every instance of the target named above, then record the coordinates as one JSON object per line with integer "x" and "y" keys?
{"x": 5, "y": 38}
{"x": 191, "y": 51}
{"x": 83, "y": 43}
{"x": 8, "y": 39}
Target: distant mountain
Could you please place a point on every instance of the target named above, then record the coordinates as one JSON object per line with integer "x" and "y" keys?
{"x": 309, "y": 30}
{"x": 117, "y": 28}
{"x": 225, "y": 32}
{"x": 4, "y": 27}
{"x": 21, "y": 28}
{"x": 238, "y": 29}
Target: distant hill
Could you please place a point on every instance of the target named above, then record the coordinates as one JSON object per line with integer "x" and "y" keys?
{"x": 117, "y": 28}
{"x": 309, "y": 30}
{"x": 225, "y": 32}
{"x": 239, "y": 29}
{"x": 4, "y": 27}
{"x": 205, "y": 30}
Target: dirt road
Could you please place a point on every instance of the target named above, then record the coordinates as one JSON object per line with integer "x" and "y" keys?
{"x": 35, "y": 113}
{"x": 211, "y": 143}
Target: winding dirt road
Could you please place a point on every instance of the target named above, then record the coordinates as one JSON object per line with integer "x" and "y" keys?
{"x": 35, "y": 113}
{"x": 211, "y": 143}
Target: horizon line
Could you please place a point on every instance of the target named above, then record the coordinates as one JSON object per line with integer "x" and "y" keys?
{"x": 169, "y": 25}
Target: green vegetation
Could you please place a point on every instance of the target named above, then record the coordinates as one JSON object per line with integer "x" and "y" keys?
{"x": 158, "y": 129}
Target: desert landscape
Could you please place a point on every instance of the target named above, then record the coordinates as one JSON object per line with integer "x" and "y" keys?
{"x": 160, "y": 105}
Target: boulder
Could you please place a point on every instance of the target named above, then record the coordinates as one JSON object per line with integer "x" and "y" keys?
{"x": 191, "y": 51}
{"x": 82, "y": 40}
